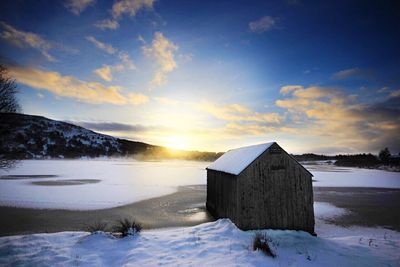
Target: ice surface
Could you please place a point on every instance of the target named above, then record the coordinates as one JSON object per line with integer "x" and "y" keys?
{"x": 323, "y": 210}
{"x": 122, "y": 182}
{"x": 127, "y": 181}
{"x": 332, "y": 176}
{"x": 236, "y": 160}
{"x": 217, "y": 243}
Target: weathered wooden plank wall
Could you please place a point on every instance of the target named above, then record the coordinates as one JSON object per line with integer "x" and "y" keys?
{"x": 273, "y": 192}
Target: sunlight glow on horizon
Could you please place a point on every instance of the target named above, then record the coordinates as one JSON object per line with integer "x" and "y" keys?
{"x": 167, "y": 75}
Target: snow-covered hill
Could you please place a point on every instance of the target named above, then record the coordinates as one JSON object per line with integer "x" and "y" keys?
{"x": 27, "y": 136}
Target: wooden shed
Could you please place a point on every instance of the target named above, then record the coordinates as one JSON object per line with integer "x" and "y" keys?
{"x": 261, "y": 187}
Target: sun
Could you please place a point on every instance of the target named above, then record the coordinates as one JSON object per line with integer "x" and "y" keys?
{"x": 177, "y": 142}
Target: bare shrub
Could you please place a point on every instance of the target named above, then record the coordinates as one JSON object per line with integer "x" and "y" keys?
{"x": 127, "y": 227}
{"x": 261, "y": 242}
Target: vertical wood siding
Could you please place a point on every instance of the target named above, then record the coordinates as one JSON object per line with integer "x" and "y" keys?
{"x": 274, "y": 192}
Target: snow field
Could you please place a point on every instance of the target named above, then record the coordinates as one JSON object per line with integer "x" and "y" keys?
{"x": 217, "y": 243}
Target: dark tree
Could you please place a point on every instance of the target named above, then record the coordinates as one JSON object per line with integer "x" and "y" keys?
{"x": 8, "y": 104}
{"x": 8, "y": 91}
{"x": 384, "y": 155}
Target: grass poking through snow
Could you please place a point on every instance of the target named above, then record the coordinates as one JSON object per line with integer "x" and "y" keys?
{"x": 261, "y": 242}
{"x": 97, "y": 226}
{"x": 127, "y": 227}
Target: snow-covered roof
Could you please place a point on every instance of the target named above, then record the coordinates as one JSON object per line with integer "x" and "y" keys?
{"x": 236, "y": 160}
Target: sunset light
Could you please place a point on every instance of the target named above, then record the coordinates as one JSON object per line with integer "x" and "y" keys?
{"x": 200, "y": 133}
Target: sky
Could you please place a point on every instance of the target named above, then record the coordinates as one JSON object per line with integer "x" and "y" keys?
{"x": 315, "y": 76}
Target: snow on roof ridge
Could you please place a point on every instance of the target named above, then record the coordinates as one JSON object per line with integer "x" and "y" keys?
{"x": 234, "y": 161}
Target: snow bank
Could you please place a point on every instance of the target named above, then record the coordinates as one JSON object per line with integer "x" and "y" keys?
{"x": 217, "y": 243}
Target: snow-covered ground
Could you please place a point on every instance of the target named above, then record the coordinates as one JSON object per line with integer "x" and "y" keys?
{"x": 126, "y": 181}
{"x": 217, "y": 243}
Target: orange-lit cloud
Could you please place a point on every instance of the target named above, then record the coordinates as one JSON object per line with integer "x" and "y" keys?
{"x": 105, "y": 72}
{"x": 69, "y": 86}
{"x": 120, "y": 8}
{"x": 236, "y": 112}
{"x": 336, "y": 118}
{"x": 162, "y": 50}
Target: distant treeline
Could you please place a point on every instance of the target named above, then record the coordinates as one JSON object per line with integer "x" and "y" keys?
{"x": 356, "y": 160}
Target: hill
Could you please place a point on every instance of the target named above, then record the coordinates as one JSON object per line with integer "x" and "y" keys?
{"x": 26, "y": 136}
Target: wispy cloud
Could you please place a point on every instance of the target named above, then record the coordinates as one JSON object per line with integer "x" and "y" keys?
{"x": 356, "y": 73}
{"x": 71, "y": 87}
{"x": 26, "y": 39}
{"x": 107, "y": 24}
{"x": 105, "y": 72}
{"x": 123, "y": 7}
{"x": 395, "y": 93}
{"x": 103, "y": 46}
{"x": 264, "y": 24}
{"x": 78, "y": 6}
{"x": 238, "y": 113}
{"x": 130, "y": 7}
{"x": 290, "y": 88}
{"x": 162, "y": 50}
{"x": 122, "y": 55}
{"x": 111, "y": 126}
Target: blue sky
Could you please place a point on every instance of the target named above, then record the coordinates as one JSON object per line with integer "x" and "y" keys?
{"x": 316, "y": 76}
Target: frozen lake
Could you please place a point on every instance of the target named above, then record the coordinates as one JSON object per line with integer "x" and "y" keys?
{"x": 97, "y": 184}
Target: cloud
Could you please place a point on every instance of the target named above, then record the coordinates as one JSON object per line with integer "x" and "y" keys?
{"x": 26, "y": 39}
{"x": 395, "y": 93}
{"x": 384, "y": 89}
{"x": 141, "y": 39}
{"x": 105, "y": 72}
{"x": 122, "y": 55}
{"x": 238, "y": 113}
{"x": 162, "y": 50}
{"x": 122, "y": 7}
{"x": 331, "y": 116}
{"x": 71, "y": 87}
{"x": 137, "y": 98}
{"x": 248, "y": 129}
{"x": 264, "y": 24}
{"x": 78, "y": 6}
{"x": 166, "y": 101}
{"x": 355, "y": 73}
{"x": 130, "y": 7}
{"x": 103, "y": 46}
{"x": 111, "y": 126}
{"x": 290, "y": 88}
{"x": 107, "y": 24}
